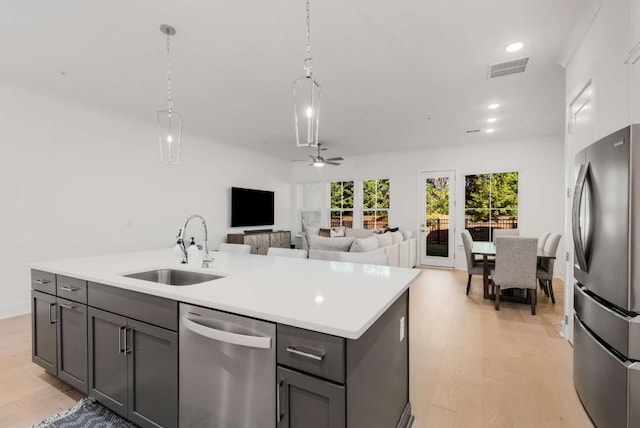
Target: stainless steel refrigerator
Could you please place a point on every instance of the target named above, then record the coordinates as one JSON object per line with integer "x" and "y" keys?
{"x": 606, "y": 236}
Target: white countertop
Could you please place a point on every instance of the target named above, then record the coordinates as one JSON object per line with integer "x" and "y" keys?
{"x": 342, "y": 299}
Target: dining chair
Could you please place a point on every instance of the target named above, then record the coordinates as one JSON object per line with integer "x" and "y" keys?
{"x": 375, "y": 257}
{"x": 474, "y": 267}
{"x": 542, "y": 240}
{"x": 287, "y": 252}
{"x": 234, "y": 248}
{"x": 544, "y": 272}
{"x": 504, "y": 232}
{"x": 516, "y": 260}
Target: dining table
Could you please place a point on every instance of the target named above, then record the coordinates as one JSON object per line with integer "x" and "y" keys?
{"x": 487, "y": 249}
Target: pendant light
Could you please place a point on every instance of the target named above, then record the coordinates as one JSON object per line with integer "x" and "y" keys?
{"x": 306, "y": 100}
{"x": 169, "y": 121}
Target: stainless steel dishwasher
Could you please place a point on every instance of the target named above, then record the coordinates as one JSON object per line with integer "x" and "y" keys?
{"x": 227, "y": 370}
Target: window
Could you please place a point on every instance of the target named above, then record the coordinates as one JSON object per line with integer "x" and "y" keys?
{"x": 375, "y": 203}
{"x": 491, "y": 202}
{"x": 342, "y": 203}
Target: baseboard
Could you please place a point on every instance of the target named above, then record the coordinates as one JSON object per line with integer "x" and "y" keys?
{"x": 8, "y": 311}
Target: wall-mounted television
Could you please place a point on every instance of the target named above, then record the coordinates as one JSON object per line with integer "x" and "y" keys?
{"x": 250, "y": 207}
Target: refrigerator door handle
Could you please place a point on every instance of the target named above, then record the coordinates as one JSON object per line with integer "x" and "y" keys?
{"x": 575, "y": 217}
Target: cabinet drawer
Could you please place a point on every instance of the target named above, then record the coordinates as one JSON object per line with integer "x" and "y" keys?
{"x": 43, "y": 281}
{"x": 71, "y": 288}
{"x": 139, "y": 306}
{"x": 311, "y": 352}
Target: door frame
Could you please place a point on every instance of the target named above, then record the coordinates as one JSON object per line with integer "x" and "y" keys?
{"x": 575, "y": 104}
{"x": 423, "y": 259}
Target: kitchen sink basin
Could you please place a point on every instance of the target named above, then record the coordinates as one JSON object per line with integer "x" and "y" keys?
{"x": 174, "y": 276}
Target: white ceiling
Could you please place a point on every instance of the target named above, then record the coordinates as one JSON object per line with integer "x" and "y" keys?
{"x": 385, "y": 67}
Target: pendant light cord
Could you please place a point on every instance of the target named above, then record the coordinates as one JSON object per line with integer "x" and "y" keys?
{"x": 307, "y": 60}
{"x": 169, "y": 102}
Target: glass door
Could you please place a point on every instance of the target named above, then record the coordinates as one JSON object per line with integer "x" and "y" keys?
{"x": 437, "y": 218}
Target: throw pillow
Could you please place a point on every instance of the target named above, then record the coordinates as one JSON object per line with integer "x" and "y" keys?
{"x": 396, "y": 237}
{"x": 330, "y": 244}
{"x": 325, "y": 232}
{"x": 358, "y": 233}
{"x": 312, "y": 230}
{"x": 391, "y": 229}
{"x": 384, "y": 239}
{"x": 337, "y": 231}
{"x": 364, "y": 245}
{"x": 407, "y": 234}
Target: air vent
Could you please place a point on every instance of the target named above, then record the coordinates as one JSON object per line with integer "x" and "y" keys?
{"x": 471, "y": 131}
{"x": 506, "y": 68}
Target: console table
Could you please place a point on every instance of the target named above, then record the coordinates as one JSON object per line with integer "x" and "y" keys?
{"x": 261, "y": 241}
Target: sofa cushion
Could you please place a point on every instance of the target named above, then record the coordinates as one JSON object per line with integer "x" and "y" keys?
{"x": 312, "y": 231}
{"x": 364, "y": 245}
{"x": 357, "y": 233}
{"x": 332, "y": 256}
{"x": 330, "y": 244}
{"x": 407, "y": 234}
{"x": 376, "y": 257}
{"x": 396, "y": 237}
{"x": 384, "y": 239}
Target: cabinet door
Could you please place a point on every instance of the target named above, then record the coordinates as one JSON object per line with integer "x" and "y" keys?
{"x": 259, "y": 242}
{"x": 309, "y": 402}
{"x": 43, "y": 331}
{"x": 72, "y": 344}
{"x": 153, "y": 375}
{"x": 108, "y": 360}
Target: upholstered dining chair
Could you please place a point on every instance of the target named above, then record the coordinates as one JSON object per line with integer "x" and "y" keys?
{"x": 474, "y": 267}
{"x": 542, "y": 240}
{"x": 516, "y": 260}
{"x": 234, "y": 248}
{"x": 504, "y": 232}
{"x": 545, "y": 268}
{"x": 287, "y": 252}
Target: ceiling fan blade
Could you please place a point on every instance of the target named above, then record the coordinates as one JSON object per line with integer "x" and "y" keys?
{"x": 331, "y": 163}
{"x": 312, "y": 157}
{"x": 339, "y": 158}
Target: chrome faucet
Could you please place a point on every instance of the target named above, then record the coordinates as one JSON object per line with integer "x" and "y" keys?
{"x": 206, "y": 259}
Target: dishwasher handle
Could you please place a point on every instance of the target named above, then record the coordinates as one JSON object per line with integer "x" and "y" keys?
{"x": 226, "y": 336}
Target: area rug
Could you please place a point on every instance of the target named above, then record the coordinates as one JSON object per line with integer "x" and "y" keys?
{"x": 86, "y": 414}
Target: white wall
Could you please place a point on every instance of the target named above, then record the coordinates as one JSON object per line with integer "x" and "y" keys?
{"x": 539, "y": 161}
{"x": 78, "y": 182}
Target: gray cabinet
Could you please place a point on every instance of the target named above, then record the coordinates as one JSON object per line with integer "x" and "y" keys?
{"x": 133, "y": 369}
{"x": 331, "y": 382}
{"x": 261, "y": 241}
{"x": 43, "y": 326}
{"x": 308, "y": 402}
{"x": 72, "y": 343}
{"x": 59, "y": 328}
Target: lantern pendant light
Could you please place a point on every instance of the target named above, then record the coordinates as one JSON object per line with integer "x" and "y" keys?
{"x": 306, "y": 100}
{"x": 169, "y": 121}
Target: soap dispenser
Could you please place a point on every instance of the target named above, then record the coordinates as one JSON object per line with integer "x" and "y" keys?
{"x": 194, "y": 256}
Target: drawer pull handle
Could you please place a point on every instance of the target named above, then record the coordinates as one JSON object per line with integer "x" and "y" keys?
{"x": 317, "y": 357}
{"x": 68, "y": 306}
{"x": 41, "y": 281}
{"x": 69, "y": 289}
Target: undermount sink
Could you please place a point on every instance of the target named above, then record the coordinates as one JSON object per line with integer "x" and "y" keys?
{"x": 174, "y": 276}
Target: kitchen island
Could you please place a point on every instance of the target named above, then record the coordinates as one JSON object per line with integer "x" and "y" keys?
{"x": 337, "y": 356}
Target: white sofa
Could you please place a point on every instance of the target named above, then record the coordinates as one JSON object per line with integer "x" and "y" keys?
{"x": 399, "y": 247}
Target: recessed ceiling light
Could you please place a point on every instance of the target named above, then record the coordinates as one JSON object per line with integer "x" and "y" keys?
{"x": 493, "y": 106}
{"x": 489, "y": 131}
{"x": 514, "y": 47}
{"x": 491, "y": 120}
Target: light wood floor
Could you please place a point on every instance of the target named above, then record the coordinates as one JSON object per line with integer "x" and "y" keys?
{"x": 473, "y": 366}
{"x": 470, "y": 365}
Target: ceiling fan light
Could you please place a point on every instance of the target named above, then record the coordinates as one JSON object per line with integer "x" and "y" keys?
{"x": 318, "y": 164}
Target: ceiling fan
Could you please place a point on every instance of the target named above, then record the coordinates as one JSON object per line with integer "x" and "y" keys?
{"x": 318, "y": 161}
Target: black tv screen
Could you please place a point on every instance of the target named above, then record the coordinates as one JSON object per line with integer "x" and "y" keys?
{"x": 251, "y": 207}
